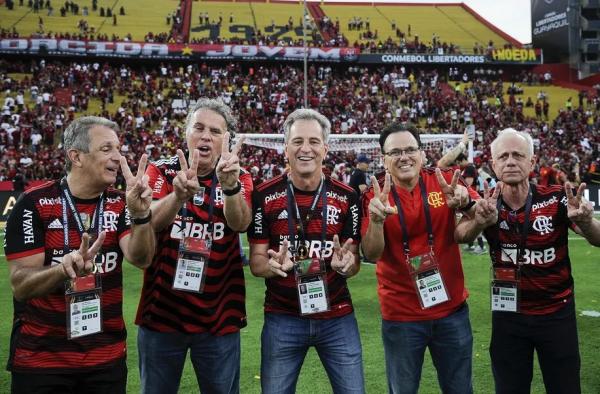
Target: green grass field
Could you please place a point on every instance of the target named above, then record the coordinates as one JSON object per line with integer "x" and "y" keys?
{"x": 363, "y": 287}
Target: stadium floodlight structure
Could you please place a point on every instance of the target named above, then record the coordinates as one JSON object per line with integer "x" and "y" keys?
{"x": 368, "y": 144}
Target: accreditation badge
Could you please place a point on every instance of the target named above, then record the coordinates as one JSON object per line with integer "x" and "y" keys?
{"x": 311, "y": 283}
{"x": 83, "y": 304}
{"x": 191, "y": 264}
{"x": 504, "y": 289}
{"x": 428, "y": 281}
{"x": 199, "y": 197}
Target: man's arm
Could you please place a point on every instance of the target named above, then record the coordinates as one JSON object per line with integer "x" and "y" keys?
{"x": 237, "y": 208}
{"x": 373, "y": 242}
{"x": 164, "y": 211}
{"x": 375, "y": 210}
{"x": 30, "y": 279}
{"x": 590, "y": 231}
{"x": 268, "y": 263}
{"x": 450, "y": 157}
{"x": 185, "y": 185}
{"x": 140, "y": 245}
{"x": 479, "y": 217}
{"x": 581, "y": 213}
{"x": 259, "y": 261}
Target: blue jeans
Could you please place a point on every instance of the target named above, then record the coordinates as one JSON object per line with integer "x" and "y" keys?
{"x": 216, "y": 360}
{"x": 286, "y": 339}
{"x": 450, "y": 344}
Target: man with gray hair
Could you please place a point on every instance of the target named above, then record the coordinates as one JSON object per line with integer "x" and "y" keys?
{"x": 532, "y": 298}
{"x": 303, "y": 241}
{"x": 65, "y": 243}
{"x": 193, "y": 296}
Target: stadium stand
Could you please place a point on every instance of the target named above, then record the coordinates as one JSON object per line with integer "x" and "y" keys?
{"x": 106, "y": 20}
{"x": 148, "y": 99}
{"x": 357, "y": 100}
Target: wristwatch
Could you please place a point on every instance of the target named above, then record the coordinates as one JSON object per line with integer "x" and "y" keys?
{"x": 143, "y": 220}
{"x": 234, "y": 191}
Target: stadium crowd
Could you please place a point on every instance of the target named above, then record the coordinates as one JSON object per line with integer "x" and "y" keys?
{"x": 151, "y": 104}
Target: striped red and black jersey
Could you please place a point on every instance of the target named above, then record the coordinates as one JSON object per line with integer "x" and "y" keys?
{"x": 220, "y": 309}
{"x": 546, "y": 282}
{"x": 39, "y": 341}
{"x": 270, "y": 226}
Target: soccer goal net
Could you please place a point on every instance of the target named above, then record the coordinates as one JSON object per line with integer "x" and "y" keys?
{"x": 435, "y": 145}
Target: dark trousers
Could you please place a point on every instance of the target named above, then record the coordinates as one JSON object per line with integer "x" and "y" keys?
{"x": 106, "y": 381}
{"x": 554, "y": 337}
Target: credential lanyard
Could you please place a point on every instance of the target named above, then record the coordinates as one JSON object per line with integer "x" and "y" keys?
{"x": 525, "y": 229}
{"x": 321, "y": 193}
{"x": 67, "y": 199}
{"x": 211, "y": 207}
{"x": 402, "y": 219}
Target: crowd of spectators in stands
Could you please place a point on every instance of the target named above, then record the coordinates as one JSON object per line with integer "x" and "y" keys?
{"x": 84, "y": 31}
{"x": 326, "y": 33}
{"x": 151, "y": 105}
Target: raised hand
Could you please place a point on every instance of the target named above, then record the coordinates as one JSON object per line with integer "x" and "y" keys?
{"x": 343, "y": 258}
{"x": 486, "y": 208}
{"x": 457, "y": 196}
{"x": 279, "y": 262}
{"x": 579, "y": 210}
{"x": 185, "y": 183}
{"x": 81, "y": 262}
{"x": 138, "y": 193}
{"x": 379, "y": 206}
{"x": 228, "y": 167}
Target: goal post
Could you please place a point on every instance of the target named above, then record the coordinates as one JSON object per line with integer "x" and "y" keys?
{"x": 434, "y": 145}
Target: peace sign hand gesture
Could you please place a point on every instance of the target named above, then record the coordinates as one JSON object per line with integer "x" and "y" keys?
{"x": 185, "y": 183}
{"x": 486, "y": 208}
{"x": 138, "y": 193}
{"x": 379, "y": 206}
{"x": 228, "y": 167}
{"x": 81, "y": 262}
{"x": 456, "y": 195}
{"x": 579, "y": 210}
{"x": 279, "y": 262}
{"x": 343, "y": 259}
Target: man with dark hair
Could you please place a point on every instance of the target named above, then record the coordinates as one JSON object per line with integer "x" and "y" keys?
{"x": 65, "y": 243}
{"x": 534, "y": 304}
{"x": 421, "y": 282}
{"x": 194, "y": 293}
{"x": 358, "y": 179}
{"x": 300, "y": 219}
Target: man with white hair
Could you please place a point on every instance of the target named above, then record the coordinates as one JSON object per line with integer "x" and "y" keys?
{"x": 532, "y": 295}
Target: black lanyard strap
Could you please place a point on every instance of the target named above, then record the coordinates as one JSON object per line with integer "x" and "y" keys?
{"x": 211, "y": 207}
{"x": 68, "y": 200}
{"x": 401, "y": 218}
{"x": 525, "y": 229}
{"x": 291, "y": 197}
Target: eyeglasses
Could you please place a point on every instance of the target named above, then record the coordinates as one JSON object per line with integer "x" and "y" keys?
{"x": 411, "y": 151}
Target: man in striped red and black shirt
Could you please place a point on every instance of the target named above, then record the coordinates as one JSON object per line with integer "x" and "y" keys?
{"x": 533, "y": 305}
{"x": 300, "y": 218}
{"x": 193, "y": 296}
{"x": 46, "y": 247}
